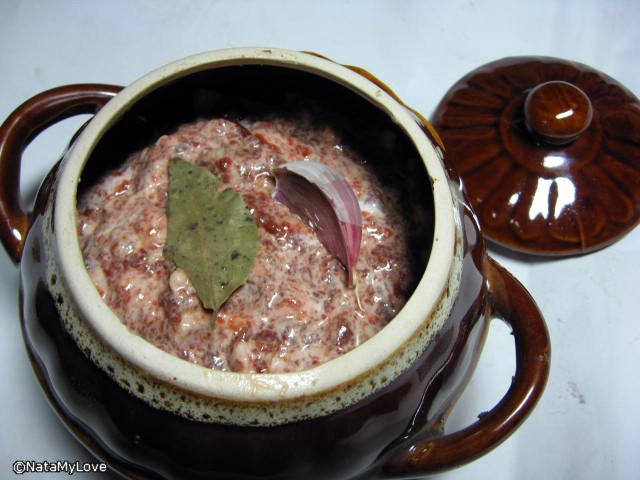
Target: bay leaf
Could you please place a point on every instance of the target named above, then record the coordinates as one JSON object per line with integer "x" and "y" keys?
{"x": 210, "y": 233}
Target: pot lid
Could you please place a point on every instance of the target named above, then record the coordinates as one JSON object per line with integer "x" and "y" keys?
{"x": 548, "y": 151}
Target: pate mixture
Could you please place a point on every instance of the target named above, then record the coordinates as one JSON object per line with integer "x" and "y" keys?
{"x": 295, "y": 311}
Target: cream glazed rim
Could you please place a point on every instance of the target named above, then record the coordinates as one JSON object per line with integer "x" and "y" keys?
{"x": 424, "y": 309}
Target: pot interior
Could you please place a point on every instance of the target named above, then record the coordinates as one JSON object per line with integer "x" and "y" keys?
{"x": 252, "y": 84}
{"x": 261, "y": 91}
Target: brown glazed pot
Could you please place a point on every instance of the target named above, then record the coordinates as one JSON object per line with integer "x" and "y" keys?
{"x": 377, "y": 411}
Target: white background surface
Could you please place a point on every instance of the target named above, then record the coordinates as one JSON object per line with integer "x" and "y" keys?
{"x": 585, "y": 426}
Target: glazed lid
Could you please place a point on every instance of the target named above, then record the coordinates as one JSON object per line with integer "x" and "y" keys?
{"x": 548, "y": 151}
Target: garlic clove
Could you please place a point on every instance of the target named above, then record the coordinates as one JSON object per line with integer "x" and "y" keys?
{"x": 323, "y": 198}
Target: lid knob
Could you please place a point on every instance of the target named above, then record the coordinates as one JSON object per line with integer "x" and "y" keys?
{"x": 557, "y": 112}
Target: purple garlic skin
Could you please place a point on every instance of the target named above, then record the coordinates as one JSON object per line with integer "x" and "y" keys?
{"x": 325, "y": 201}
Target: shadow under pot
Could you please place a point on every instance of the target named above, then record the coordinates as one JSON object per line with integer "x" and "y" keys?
{"x": 377, "y": 408}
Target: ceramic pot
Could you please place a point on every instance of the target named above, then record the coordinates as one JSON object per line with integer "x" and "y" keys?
{"x": 376, "y": 411}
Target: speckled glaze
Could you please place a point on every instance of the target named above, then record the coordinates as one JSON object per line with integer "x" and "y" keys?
{"x": 549, "y": 153}
{"x": 378, "y": 410}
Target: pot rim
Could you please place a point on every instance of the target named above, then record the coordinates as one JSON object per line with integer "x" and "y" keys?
{"x": 422, "y": 307}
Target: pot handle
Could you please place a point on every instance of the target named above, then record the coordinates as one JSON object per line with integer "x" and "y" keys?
{"x": 510, "y": 301}
{"x": 18, "y": 130}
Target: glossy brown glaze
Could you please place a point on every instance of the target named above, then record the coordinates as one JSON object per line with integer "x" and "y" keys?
{"x": 141, "y": 441}
{"x": 16, "y": 133}
{"x": 557, "y": 112}
{"x": 530, "y": 193}
{"x": 369, "y": 438}
{"x": 510, "y": 302}
{"x": 379, "y": 435}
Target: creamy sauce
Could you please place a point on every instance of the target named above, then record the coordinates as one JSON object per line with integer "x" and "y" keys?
{"x": 295, "y": 311}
